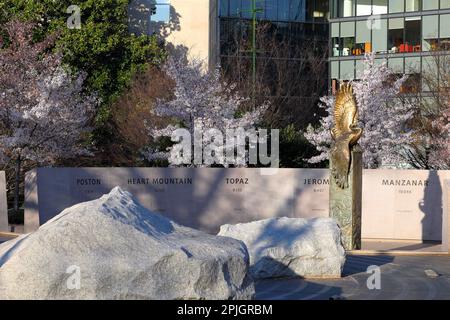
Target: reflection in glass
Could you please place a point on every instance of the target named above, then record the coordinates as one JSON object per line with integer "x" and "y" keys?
{"x": 283, "y": 10}
{"x": 335, "y": 69}
{"x": 396, "y": 41}
{"x": 380, "y": 6}
{"x": 346, "y": 8}
{"x": 246, "y": 9}
{"x": 271, "y": 10}
{"x": 347, "y": 70}
{"x": 396, "y": 6}
{"x": 429, "y": 69}
{"x": 336, "y": 45}
{"x": 413, "y": 82}
{"x": 322, "y": 9}
{"x": 413, "y": 27}
{"x": 413, "y": 5}
{"x": 431, "y": 4}
{"x": 364, "y": 7}
{"x": 347, "y": 37}
{"x": 334, "y": 8}
{"x": 309, "y": 10}
{"x": 430, "y": 33}
{"x": 223, "y": 9}
{"x": 363, "y": 43}
{"x": 359, "y": 69}
{"x": 379, "y": 36}
{"x": 444, "y": 43}
{"x": 161, "y": 13}
{"x": 396, "y": 65}
{"x": 235, "y": 7}
{"x": 297, "y": 10}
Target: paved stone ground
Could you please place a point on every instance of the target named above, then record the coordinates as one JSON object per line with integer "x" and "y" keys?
{"x": 402, "y": 277}
{"x": 3, "y": 239}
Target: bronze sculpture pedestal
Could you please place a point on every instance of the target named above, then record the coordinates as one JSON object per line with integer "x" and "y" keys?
{"x": 345, "y": 204}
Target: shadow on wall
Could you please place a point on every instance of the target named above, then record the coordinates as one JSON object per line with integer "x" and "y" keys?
{"x": 432, "y": 209}
{"x": 431, "y": 206}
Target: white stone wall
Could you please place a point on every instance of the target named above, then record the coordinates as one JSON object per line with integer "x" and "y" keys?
{"x": 397, "y": 204}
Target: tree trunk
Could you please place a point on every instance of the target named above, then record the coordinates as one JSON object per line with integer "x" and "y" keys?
{"x": 17, "y": 183}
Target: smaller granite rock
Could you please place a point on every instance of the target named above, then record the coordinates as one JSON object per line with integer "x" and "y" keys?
{"x": 291, "y": 247}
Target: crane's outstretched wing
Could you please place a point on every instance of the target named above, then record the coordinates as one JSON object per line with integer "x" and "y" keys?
{"x": 345, "y": 111}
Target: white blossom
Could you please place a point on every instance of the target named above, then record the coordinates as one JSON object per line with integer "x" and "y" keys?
{"x": 202, "y": 101}
{"x": 383, "y": 115}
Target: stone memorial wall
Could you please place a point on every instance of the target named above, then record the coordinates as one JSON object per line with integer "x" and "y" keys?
{"x": 446, "y": 218}
{"x": 403, "y": 204}
{"x": 3, "y": 204}
{"x": 201, "y": 198}
{"x": 396, "y": 204}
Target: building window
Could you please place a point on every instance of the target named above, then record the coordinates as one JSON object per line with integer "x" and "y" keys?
{"x": 347, "y": 70}
{"x": 223, "y": 8}
{"x": 413, "y": 82}
{"x": 364, "y": 7}
{"x": 363, "y": 41}
{"x": 413, "y": 5}
{"x": 297, "y": 10}
{"x": 380, "y": 6}
{"x": 359, "y": 69}
{"x": 235, "y": 8}
{"x": 396, "y": 41}
{"x": 430, "y": 32}
{"x": 245, "y": 9}
{"x": 445, "y": 4}
{"x": 413, "y": 29}
{"x": 429, "y": 72}
{"x": 335, "y": 70}
{"x": 271, "y": 10}
{"x": 161, "y": 11}
{"x": 335, "y": 39}
{"x": 348, "y": 38}
{"x": 396, "y": 6}
{"x": 396, "y": 65}
{"x": 322, "y": 10}
{"x": 431, "y": 5}
{"x": 444, "y": 43}
{"x": 309, "y": 10}
{"x": 343, "y": 8}
{"x": 379, "y": 36}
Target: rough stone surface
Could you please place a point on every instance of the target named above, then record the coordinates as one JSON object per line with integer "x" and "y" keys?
{"x": 123, "y": 251}
{"x": 291, "y": 247}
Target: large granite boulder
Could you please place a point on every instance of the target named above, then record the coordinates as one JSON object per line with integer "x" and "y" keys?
{"x": 290, "y": 247}
{"x": 119, "y": 250}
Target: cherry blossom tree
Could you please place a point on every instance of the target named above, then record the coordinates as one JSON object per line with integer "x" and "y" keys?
{"x": 431, "y": 148}
{"x": 202, "y": 102}
{"x": 383, "y": 113}
{"x": 43, "y": 110}
{"x": 440, "y": 157}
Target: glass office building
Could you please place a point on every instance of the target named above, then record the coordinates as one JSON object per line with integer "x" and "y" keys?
{"x": 404, "y": 32}
{"x": 299, "y": 24}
